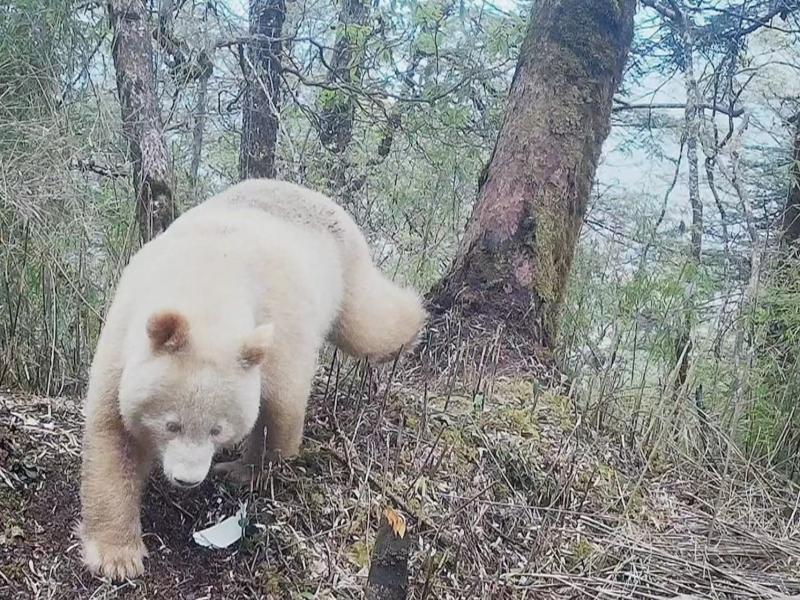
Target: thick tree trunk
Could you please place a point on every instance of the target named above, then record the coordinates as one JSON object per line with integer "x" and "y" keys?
{"x": 337, "y": 107}
{"x": 262, "y": 95}
{"x": 517, "y": 251}
{"x": 132, "y": 50}
{"x": 791, "y": 213}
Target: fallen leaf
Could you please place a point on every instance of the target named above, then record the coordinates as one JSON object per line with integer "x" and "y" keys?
{"x": 396, "y": 521}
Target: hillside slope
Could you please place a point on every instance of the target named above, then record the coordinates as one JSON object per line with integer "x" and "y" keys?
{"x": 506, "y": 491}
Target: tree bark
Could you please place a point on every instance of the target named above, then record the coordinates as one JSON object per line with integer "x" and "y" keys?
{"x": 132, "y": 51}
{"x": 262, "y": 94}
{"x": 388, "y": 570}
{"x": 791, "y": 213}
{"x": 199, "y": 128}
{"x": 337, "y": 110}
{"x": 514, "y": 260}
{"x": 693, "y": 117}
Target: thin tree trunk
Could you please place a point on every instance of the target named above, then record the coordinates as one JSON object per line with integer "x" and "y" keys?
{"x": 132, "y": 51}
{"x": 744, "y": 343}
{"x": 199, "y": 128}
{"x": 515, "y": 257}
{"x": 791, "y": 213}
{"x": 692, "y": 124}
{"x": 262, "y": 95}
{"x": 337, "y": 107}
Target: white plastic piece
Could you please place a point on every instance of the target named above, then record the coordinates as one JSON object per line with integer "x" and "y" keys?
{"x": 224, "y": 533}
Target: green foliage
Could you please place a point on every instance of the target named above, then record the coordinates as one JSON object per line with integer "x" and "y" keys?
{"x": 427, "y": 93}
{"x": 422, "y": 129}
{"x": 356, "y": 34}
{"x": 63, "y": 234}
{"x": 330, "y": 99}
{"x": 773, "y": 426}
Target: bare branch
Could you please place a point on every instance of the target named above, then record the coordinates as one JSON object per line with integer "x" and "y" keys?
{"x": 90, "y": 166}
{"x": 664, "y": 11}
{"x": 623, "y": 106}
{"x": 780, "y": 7}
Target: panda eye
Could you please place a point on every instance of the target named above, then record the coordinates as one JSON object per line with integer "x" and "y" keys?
{"x": 173, "y": 427}
{"x": 215, "y": 431}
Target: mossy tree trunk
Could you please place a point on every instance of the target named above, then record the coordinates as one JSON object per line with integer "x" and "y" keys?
{"x": 132, "y": 50}
{"x": 262, "y": 95}
{"x": 337, "y": 104}
{"x": 516, "y": 254}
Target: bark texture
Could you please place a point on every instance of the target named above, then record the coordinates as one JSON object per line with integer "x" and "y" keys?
{"x": 388, "y": 571}
{"x": 337, "y": 110}
{"x": 693, "y": 118}
{"x": 517, "y": 251}
{"x": 199, "y": 129}
{"x": 791, "y": 213}
{"x": 132, "y": 51}
{"x": 262, "y": 95}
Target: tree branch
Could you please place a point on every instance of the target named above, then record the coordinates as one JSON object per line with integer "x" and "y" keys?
{"x": 781, "y": 7}
{"x": 664, "y": 11}
{"x": 90, "y": 166}
{"x": 623, "y": 106}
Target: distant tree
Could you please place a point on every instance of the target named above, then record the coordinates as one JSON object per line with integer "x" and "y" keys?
{"x": 336, "y": 115}
{"x": 791, "y": 213}
{"x": 132, "y": 50}
{"x": 262, "y": 71}
{"x": 515, "y": 257}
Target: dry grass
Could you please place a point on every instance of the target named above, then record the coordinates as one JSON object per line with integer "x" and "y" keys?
{"x": 506, "y": 491}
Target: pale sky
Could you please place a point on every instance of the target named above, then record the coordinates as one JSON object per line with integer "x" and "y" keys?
{"x": 636, "y": 172}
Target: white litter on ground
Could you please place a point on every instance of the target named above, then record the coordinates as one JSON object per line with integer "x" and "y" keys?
{"x": 224, "y": 533}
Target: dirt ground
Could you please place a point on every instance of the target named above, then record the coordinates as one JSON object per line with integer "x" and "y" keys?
{"x": 506, "y": 492}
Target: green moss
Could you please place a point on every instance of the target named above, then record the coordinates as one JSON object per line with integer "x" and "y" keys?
{"x": 546, "y": 247}
{"x": 412, "y": 422}
{"x": 518, "y": 389}
{"x": 518, "y": 420}
{"x": 561, "y": 409}
{"x": 462, "y": 442}
{"x": 579, "y": 552}
{"x": 359, "y": 554}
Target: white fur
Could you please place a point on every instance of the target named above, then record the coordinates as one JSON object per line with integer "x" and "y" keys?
{"x": 186, "y": 463}
{"x": 213, "y": 335}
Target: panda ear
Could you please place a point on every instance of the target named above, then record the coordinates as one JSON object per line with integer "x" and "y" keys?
{"x": 168, "y": 331}
{"x": 255, "y": 346}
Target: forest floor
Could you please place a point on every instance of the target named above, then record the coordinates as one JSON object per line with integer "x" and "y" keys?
{"x": 506, "y": 492}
